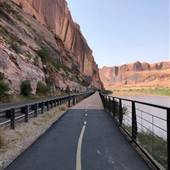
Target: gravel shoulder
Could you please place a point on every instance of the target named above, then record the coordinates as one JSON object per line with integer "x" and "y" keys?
{"x": 14, "y": 142}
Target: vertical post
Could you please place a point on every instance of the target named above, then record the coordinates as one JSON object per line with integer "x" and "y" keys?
{"x": 47, "y": 104}
{"x": 51, "y": 102}
{"x": 55, "y": 103}
{"x": 26, "y": 111}
{"x": 109, "y": 107}
{"x": 113, "y": 107}
{"x": 120, "y": 112}
{"x": 42, "y": 107}
{"x": 74, "y": 100}
{"x": 12, "y": 122}
{"x": 105, "y": 102}
{"x": 168, "y": 138}
{"x": 35, "y": 110}
{"x": 134, "y": 122}
{"x": 69, "y": 98}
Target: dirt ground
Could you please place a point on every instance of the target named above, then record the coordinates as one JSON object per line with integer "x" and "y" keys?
{"x": 14, "y": 142}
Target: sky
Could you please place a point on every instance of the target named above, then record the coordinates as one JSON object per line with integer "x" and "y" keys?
{"x": 124, "y": 31}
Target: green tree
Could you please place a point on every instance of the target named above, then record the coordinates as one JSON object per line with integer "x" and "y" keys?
{"x": 25, "y": 88}
{"x": 4, "y": 88}
{"x": 44, "y": 54}
{"x": 42, "y": 89}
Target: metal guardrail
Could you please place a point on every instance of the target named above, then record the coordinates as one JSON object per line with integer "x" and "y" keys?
{"x": 12, "y": 114}
{"x": 139, "y": 122}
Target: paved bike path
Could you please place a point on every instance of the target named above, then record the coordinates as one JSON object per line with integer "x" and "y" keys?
{"x": 102, "y": 146}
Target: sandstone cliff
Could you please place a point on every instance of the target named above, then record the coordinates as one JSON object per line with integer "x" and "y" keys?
{"x": 27, "y": 27}
{"x": 137, "y": 74}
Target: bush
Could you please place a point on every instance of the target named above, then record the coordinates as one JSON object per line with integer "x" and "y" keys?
{"x": 25, "y": 88}
{"x": 67, "y": 89}
{"x": 44, "y": 54}
{"x": 4, "y": 88}
{"x": 16, "y": 48}
{"x": 1, "y": 139}
{"x": 1, "y": 76}
{"x": 42, "y": 89}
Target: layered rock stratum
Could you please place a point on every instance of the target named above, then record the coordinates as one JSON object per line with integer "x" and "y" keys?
{"x": 136, "y": 75}
{"x": 39, "y": 41}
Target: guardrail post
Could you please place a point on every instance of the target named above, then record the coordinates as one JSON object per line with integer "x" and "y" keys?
{"x": 55, "y": 103}
{"x": 12, "y": 122}
{"x": 35, "y": 110}
{"x": 69, "y": 98}
{"x": 107, "y": 103}
{"x": 104, "y": 98}
{"x": 42, "y": 107}
{"x": 113, "y": 106}
{"x": 26, "y": 111}
{"x": 51, "y": 103}
{"x": 74, "y": 100}
{"x": 47, "y": 104}
{"x": 168, "y": 138}
{"x": 120, "y": 112}
{"x": 109, "y": 107}
{"x": 134, "y": 122}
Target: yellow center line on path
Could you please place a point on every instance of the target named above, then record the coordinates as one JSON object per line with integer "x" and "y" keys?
{"x": 78, "y": 156}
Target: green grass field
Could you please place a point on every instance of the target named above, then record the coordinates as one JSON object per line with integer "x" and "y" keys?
{"x": 151, "y": 91}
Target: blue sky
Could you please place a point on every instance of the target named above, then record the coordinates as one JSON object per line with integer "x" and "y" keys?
{"x": 124, "y": 31}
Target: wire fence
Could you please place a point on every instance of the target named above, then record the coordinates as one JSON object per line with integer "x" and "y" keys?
{"x": 147, "y": 125}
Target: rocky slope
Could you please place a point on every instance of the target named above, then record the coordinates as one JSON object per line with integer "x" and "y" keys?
{"x": 137, "y": 74}
{"x": 39, "y": 41}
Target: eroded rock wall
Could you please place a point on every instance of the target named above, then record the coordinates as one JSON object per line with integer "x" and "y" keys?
{"x": 56, "y": 16}
{"x": 137, "y": 74}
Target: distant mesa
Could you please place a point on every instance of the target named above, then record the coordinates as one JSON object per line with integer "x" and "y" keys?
{"x": 138, "y": 74}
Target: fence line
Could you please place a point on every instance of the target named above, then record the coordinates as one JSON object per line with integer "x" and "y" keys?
{"x": 10, "y": 115}
{"x": 132, "y": 121}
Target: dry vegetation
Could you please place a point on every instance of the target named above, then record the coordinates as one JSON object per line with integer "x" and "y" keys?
{"x": 14, "y": 142}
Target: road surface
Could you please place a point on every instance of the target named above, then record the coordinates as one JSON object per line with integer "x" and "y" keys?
{"x": 85, "y": 138}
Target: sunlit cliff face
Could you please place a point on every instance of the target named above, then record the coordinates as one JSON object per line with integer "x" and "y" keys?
{"x": 56, "y": 16}
{"x": 136, "y": 75}
{"x": 44, "y": 24}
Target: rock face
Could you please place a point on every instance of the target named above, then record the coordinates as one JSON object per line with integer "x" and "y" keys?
{"x": 136, "y": 75}
{"x": 56, "y": 16}
{"x": 34, "y": 25}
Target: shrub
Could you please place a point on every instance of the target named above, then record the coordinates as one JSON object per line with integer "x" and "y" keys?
{"x": 18, "y": 17}
{"x": 4, "y": 88}
{"x": 16, "y": 48}
{"x": 25, "y": 88}
{"x": 1, "y": 140}
{"x": 1, "y": 76}
{"x": 44, "y": 54}
{"x": 67, "y": 89}
{"x": 94, "y": 72}
{"x": 42, "y": 89}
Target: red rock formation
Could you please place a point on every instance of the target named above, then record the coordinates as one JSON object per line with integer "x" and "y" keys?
{"x": 56, "y": 16}
{"x": 136, "y": 75}
{"x": 34, "y": 25}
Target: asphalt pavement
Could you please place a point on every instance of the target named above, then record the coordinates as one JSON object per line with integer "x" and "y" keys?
{"x": 83, "y": 139}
